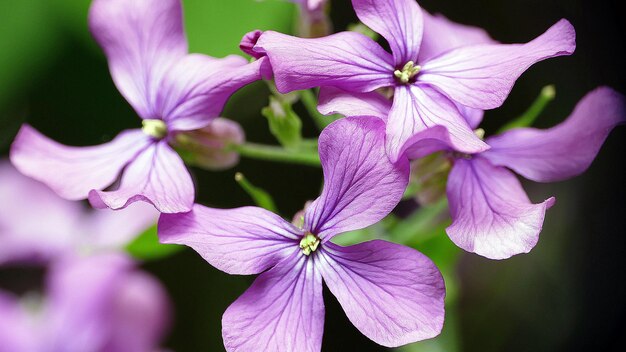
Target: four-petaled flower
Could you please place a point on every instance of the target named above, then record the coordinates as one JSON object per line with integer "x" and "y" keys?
{"x": 171, "y": 90}
{"x": 427, "y": 90}
{"x": 391, "y": 293}
{"x": 492, "y": 215}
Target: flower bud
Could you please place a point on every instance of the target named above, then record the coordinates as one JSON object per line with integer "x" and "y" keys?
{"x": 208, "y": 147}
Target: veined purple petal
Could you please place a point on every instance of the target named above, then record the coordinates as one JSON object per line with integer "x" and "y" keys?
{"x": 194, "y": 91}
{"x": 141, "y": 39}
{"x": 491, "y": 214}
{"x": 361, "y": 185}
{"x": 346, "y": 60}
{"x": 565, "y": 150}
{"x": 441, "y": 35}
{"x": 337, "y": 101}
{"x": 283, "y": 310}
{"x": 398, "y": 21}
{"x": 73, "y": 172}
{"x": 248, "y": 42}
{"x": 157, "y": 176}
{"x": 393, "y": 294}
{"x": 240, "y": 241}
{"x": 481, "y": 76}
{"x": 415, "y": 110}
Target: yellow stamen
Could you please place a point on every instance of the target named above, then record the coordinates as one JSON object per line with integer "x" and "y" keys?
{"x": 309, "y": 243}
{"x": 154, "y": 127}
{"x": 409, "y": 71}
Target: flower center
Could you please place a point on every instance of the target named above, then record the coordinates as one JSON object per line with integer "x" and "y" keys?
{"x": 309, "y": 243}
{"x": 407, "y": 73}
{"x": 154, "y": 127}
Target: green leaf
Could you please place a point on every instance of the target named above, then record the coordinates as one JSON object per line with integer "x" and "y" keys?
{"x": 147, "y": 246}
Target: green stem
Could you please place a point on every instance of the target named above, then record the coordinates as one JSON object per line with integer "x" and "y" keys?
{"x": 259, "y": 195}
{"x": 528, "y": 118}
{"x": 309, "y": 100}
{"x": 279, "y": 154}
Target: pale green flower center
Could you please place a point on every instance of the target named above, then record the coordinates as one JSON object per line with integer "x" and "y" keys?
{"x": 154, "y": 127}
{"x": 409, "y": 71}
{"x": 309, "y": 243}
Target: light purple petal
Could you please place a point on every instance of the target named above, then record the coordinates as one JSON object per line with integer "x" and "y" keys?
{"x": 241, "y": 241}
{"x": 393, "y": 294}
{"x": 361, "y": 185}
{"x": 491, "y": 214}
{"x": 481, "y": 76}
{"x": 157, "y": 176}
{"x": 346, "y": 60}
{"x": 565, "y": 150}
{"x": 141, "y": 39}
{"x": 105, "y": 229}
{"x": 416, "y": 110}
{"x": 248, "y": 42}
{"x": 283, "y": 310}
{"x": 101, "y": 303}
{"x": 74, "y": 171}
{"x": 441, "y": 35}
{"x": 337, "y": 101}
{"x": 398, "y": 21}
{"x": 16, "y": 332}
{"x": 35, "y": 223}
{"x": 196, "y": 88}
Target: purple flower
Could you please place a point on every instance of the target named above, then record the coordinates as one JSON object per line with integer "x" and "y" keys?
{"x": 391, "y": 293}
{"x": 427, "y": 89}
{"x": 171, "y": 90}
{"x": 98, "y": 304}
{"x": 492, "y": 215}
{"x": 36, "y": 225}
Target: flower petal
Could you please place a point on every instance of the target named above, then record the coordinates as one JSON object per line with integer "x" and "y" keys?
{"x": 481, "y": 76}
{"x": 157, "y": 176}
{"x": 17, "y": 332}
{"x": 361, "y": 185}
{"x": 35, "y": 223}
{"x": 141, "y": 40}
{"x": 442, "y": 35}
{"x": 101, "y": 303}
{"x": 565, "y": 150}
{"x": 337, "y": 101}
{"x": 346, "y": 60}
{"x": 241, "y": 241}
{"x": 74, "y": 171}
{"x": 491, "y": 214}
{"x": 283, "y": 310}
{"x": 415, "y": 111}
{"x": 196, "y": 88}
{"x": 393, "y": 294}
{"x": 398, "y": 21}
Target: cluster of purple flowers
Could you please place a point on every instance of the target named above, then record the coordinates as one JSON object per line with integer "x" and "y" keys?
{"x": 427, "y": 96}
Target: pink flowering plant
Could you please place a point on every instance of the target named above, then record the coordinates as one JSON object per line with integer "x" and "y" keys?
{"x": 390, "y": 112}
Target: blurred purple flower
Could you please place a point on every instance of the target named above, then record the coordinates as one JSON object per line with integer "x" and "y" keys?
{"x": 36, "y": 225}
{"x": 427, "y": 90}
{"x": 97, "y": 304}
{"x": 171, "y": 90}
{"x": 492, "y": 215}
{"x": 393, "y": 294}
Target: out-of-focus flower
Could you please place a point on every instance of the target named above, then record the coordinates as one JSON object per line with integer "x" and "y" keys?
{"x": 391, "y": 293}
{"x": 492, "y": 215}
{"x": 91, "y": 304}
{"x": 313, "y": 21}
{"x": 426, "y": 93}
{"x": 208, "y": 147}
{"x": 171, "y": 90}
{"x": 36, "y": 225}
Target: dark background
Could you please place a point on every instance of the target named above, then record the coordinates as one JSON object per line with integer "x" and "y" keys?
{"x": 566, "y": 295}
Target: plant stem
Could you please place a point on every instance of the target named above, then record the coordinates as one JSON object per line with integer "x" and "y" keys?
{"x": 279, "y": 154}
{"x": 528, "y": 118}
{"x": 309, "y": 100}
